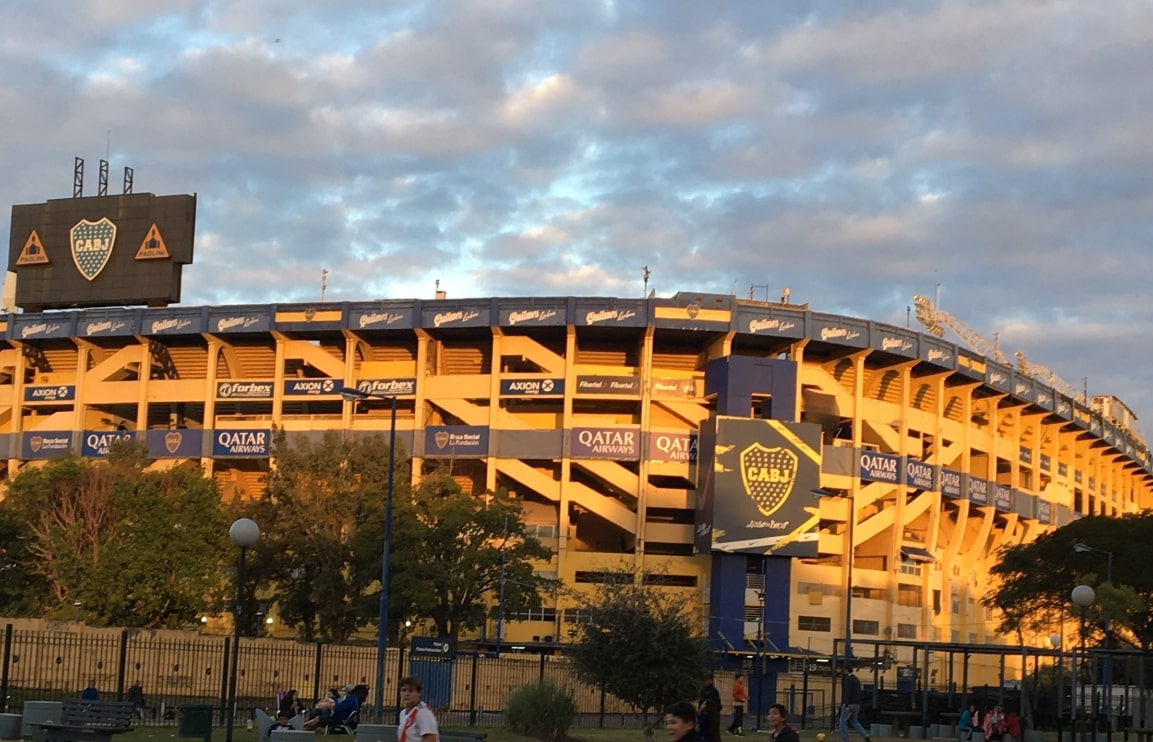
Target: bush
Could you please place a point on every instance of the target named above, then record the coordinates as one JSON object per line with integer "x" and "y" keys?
{"x": 542, "y": 710}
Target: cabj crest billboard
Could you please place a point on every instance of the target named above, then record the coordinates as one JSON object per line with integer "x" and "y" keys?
{"x": 754, "y": 489}
{"x": 102, "y": 251}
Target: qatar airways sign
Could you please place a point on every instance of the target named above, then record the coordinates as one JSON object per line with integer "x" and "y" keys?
{"x": 605, "y": 443}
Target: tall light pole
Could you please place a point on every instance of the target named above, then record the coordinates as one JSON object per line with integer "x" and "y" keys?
{"x": 243, "y": 533}
{"x": 1108, "y": 669}
{"x": 1083, "y": 597}
{"x": 500, "y": 600}
{"x": 353, "y": 395}
{"x": 820, "y": 492}
{"x": 1055, "y": 642}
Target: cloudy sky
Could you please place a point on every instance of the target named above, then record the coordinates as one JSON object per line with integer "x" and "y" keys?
{"x": 857, "y": 152}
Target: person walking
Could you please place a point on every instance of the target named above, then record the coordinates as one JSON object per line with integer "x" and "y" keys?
{"x": 709, "y": 720}
{"x": 417, "y": 722}
{"x": 851, "y": 704}
{"x": 740, "y": 696}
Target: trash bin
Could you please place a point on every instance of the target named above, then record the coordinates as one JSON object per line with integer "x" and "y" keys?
{"x": 196, "y": 721}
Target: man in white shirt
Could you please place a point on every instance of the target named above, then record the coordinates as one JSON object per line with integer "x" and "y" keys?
{"x": 417, "y": 722}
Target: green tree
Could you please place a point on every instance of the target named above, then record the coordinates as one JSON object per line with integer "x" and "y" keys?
{"x": 449, "y": 550}
{"x": 1035, "y": 579}
{"x": 134, "y": 548}
{"x": 640, "y": 645}
{"x": 321, "y": 520}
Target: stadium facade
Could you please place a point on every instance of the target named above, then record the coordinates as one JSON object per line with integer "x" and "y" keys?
{"x": 590, "y": 408}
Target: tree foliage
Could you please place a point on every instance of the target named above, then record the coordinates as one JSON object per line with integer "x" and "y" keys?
{"x": 640, "y": 645}
{"x": 321, "y": 521}
{"x": 1036, "y": 579}
{"x": 133, "y": 547}
{"x": 449, "y": 551}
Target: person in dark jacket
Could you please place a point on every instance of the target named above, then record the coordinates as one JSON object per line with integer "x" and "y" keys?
{"x": 851, "y": 704}
{"x": 681, "y": 723}
{"x": 778, "y": 724}
{"x": 135, "y": 696}
{"x": 709, "y": 721}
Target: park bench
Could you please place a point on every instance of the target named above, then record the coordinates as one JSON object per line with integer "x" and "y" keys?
{"x": 462, "y": 735}
{"x": 89, "y": 721}
{"x": 1142, "y": 734}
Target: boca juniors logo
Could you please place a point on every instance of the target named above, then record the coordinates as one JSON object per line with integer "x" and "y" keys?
{"x": 768, "y": 475}
{"x": 91, "y": 245}
{"x": 172, "y": 441}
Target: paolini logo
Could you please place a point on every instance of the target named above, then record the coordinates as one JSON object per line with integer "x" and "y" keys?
{"x": 244, "y": 389}
{"x": 40, "y": 328}
{"x": 598, "y": 316}
{"x": 237, "y": 323}
{"x": 372, "y": 319}
{"x": 459, "y": 317}
{"x": 532, "y": 387}
{"x": 530, "y": 315}
{"x": 775, "y": 325}
{"x": 300, "y": 387}
{"x": 387, "y": 387}
{"x": 62, "y": 393}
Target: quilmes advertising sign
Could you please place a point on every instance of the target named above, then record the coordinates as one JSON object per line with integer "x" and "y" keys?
{"x": 755, "y": 489}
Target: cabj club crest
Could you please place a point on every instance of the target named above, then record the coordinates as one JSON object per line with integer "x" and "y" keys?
{"x": 768, "y": 475}
{"x": 91, "y": 245}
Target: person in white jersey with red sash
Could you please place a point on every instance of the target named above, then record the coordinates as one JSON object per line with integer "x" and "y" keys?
{"x": 417, "y": 722}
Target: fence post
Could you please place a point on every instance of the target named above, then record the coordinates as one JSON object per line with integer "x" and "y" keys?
{"x": 224, "y": 679}
{"x": 542, "y": 658}
{"x": 316, "y": 674}
{"x": 122, "y": 665}
{"x": 4, "y": 672}
{"x": 472, "y": 694}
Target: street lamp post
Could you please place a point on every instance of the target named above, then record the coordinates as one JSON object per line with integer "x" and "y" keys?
{"x": 819, "y": 492}
{"x": 351, "y": 394}
{"x": 243, "y": 533}
{"x": 1055, "y": 642}
{"x": 1107, "y": 675}
{"x": 500, "y": 600}
{"x": 1083, "y": 597}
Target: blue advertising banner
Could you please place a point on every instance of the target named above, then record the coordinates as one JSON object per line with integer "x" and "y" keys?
{"x": 1025, "y": 454}
{"x": 611, "y": 313}
{"x": 1003, "y": 497}
{"x": 405, "y": 387}
{"x": 678, "y": 447}
{"x": 381, "y": 316}
{"x": 830, "y": 328}
{"x": 918, "y": 474}
{"x": 122, "y": 323}
{"x": 879, "y": 467}
{"x": 178, "y": 321}
{"x": 532, "y": 387}
{"x": 440, "y": 647}
{"x": 937, "y": 352}
{"x": 311, "y": 387}
{"x": 456, "y": 440}
{"x": 440, "y": 315}
{"x": 605, "y": 443}
{"x": 181, "y": 443}
{"x": 94, "y": 444}
{"x": 540, "y": 313}
{"x": 40, "y": 326}
{"x": 45, "y": 394}
{"x": 894, "y": 340}
{"x": 999, "y": 377}
{"x": 978, "y": 491}
{"x": 1044, "y": 511}
{"x": 244, "y": 390}
{"x": 757, "y": 481}
{"x": 950, "y": 483}
{"x": 239, "y": 319}
{"x": 681, "y": 388}
{"x": 46, "y": 444}
{"x": 771, "y": 321}
{"x": 250, "y": 443}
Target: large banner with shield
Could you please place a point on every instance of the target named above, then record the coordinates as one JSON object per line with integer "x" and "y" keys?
{"x": 754, "y": 488}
